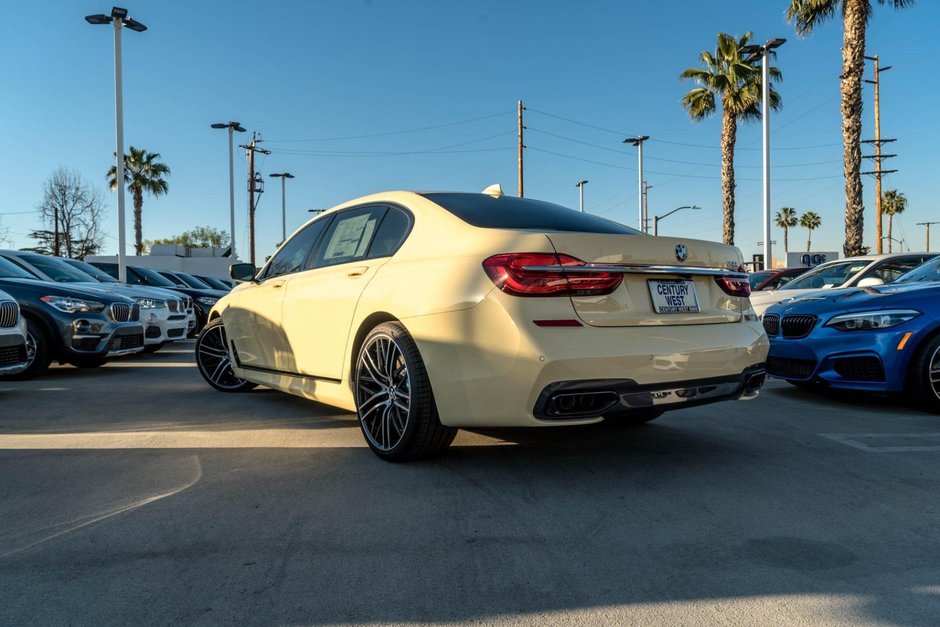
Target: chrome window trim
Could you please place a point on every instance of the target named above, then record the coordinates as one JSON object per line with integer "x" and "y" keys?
{"x": 641, "y": 269}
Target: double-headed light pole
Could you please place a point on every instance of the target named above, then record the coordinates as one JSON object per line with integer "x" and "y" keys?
{"x": 283, "y": 176}
{"x": 762, "y": 52}
{"x": 232, "y": 127}
{"x": 119, "y": 20}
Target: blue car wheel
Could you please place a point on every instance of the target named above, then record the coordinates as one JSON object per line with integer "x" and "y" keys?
{"x": 925, "y": 376}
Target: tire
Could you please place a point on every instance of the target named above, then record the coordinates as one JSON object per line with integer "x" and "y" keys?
{"x": 153, "y": 348}
{"x": 924, "y": 376}
{"x": 631, "y": 419}
{"x": 213, "y": 360}
{"x": 88, "y": 362}
{"x": 394, "y": 401}
{"x": 38, "y": 353}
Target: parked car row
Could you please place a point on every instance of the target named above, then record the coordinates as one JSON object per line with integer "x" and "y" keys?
{"x": 68, "y": 311}
{"x": 881, "y": 336}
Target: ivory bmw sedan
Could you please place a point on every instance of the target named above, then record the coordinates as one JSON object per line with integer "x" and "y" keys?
{"x": 425, "y": 312}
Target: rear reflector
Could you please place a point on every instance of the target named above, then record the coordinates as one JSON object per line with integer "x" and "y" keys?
{"x": 557, "y": 323}
{"x": 509, "y": 273}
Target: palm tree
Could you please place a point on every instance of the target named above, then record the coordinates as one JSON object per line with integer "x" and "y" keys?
{"x": 806, "y": 15}
{"x": 142, "y": 173}
{"x": 736, "y": 84}
{"x": 893, "y": 202}
{"x": 786, "y": 218}
{"x": 810, "y": 221}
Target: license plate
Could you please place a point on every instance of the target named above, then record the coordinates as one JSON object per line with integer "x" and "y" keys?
{"x": 673, "y": 296}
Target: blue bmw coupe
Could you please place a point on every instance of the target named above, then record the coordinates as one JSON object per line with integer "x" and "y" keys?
{"x": 879, "y": 339}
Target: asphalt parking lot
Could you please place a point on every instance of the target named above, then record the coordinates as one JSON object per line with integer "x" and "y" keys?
{"x": 135, "y": 494}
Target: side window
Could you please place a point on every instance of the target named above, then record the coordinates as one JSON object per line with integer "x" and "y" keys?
{"x": 391, "y": 233}
{"x": 348, "y": 237}
{"x": 293, "y": 255}
{"x": 891, "y": 270}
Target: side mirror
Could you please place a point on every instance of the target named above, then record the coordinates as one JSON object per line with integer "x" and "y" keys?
{"x": 870, "y": 281}
{"x": 242, "y": 272}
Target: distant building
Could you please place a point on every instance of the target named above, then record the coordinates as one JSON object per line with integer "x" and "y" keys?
{"x": 209, "y": 261}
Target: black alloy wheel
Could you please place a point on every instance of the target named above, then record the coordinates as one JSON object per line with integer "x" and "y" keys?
{"x": 213, "y": 360}
{"x": 394, "y": 402}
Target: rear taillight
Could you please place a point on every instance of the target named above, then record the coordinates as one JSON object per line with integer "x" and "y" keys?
{"x": 733, "y": 286}
{"x": 544, "y": 274}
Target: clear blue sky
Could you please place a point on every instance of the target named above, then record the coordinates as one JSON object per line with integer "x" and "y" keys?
{"x": 333, "y": 70}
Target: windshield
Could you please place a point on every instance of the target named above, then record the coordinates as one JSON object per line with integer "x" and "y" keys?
{"x": 57, "y": 270}
{"x": 757, "y": 278}
{"x": 154, "y": 278}
{"x": 192, "y": 281}
{"x": 87, "y": 268}
{"x": 214, "y": 283}
{"x": 828, "y": 275}
{"x": 508, "y": 212}
{"x": 9, "y": 270}
{"x": 925, "y": 273}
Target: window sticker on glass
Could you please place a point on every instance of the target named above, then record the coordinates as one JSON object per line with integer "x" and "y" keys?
{"x": 351, "y": 234}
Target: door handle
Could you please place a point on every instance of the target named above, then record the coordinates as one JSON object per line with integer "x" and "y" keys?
{"x": 357, "y": 271}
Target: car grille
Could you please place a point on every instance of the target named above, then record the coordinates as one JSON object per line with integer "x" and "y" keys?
{"x": 771, "y": 324}
{"x": 124, "y": 342}
{"x": 11, "y": 355}
{"x": 860, "y": 368}
{"x": 175, "y": 332}
{"x": 122, "y": 312}
{"x": 177, "y": 317}
{"x": 86, "y": 343}
{"x": 153, "y": 332}
{"x": 173, "y": 305}
{"x": 797, "y": 326}
{"x": 790, "y": 368}
{"x": 9, "y": 314}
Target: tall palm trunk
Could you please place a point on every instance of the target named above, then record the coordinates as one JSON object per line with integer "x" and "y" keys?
{"x": 853, "y": 64}
{"x": 786, "y": 246}
{"x": 138, "y": 212}
{"x": 809, "y": 240}
{"x": 891, "y": 241}
{"x": 729, "y": 129}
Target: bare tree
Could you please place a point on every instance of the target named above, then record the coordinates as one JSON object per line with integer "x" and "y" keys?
{"x": 71, "y": 211}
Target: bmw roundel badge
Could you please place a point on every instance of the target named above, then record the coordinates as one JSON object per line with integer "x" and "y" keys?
{"x": 682, "y": 253}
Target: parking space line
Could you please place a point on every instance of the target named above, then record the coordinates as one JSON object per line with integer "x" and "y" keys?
{"x": 346, "y": 437}
{"x": 887, "y": 442}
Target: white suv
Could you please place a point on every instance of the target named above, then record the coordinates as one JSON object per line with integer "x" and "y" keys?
{"x": 12, "y": 336}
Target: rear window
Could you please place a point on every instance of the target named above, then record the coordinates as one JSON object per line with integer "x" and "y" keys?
{"x": 509, "y": 212}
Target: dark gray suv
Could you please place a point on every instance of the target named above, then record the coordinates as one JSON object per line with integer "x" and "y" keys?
{"x": 81, "y": 326}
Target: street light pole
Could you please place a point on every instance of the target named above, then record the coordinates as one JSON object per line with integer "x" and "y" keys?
{"x": 283, "y": 176}
{"x": 580, "y": 185}
{"x": 762, "y": 52}
{"x": 638, "y": 142}
{"x": 118, "y": 19}
{"x": 232, "y": 127}
{"x": 656, "y": 219}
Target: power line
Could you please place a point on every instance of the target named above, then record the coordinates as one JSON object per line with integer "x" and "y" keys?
{"x": 364, "y": 153}
{"x": 387, "y": 133}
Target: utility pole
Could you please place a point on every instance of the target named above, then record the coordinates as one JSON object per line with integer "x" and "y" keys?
{"x": 521, "y": 148}
{"x": 646, "y": 207}
{"x": 877, "y": 172}
{"x": 255, "y": 185}
{"x": 638, "y": 142}
{"x": 927, "y": 224}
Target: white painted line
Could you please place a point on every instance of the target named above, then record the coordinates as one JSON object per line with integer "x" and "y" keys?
{"x": 858, "y": 441}
{"x": 348, "y": 437}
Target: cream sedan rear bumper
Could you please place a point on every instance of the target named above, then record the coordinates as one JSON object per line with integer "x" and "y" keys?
{"x": 491, "y": 365}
